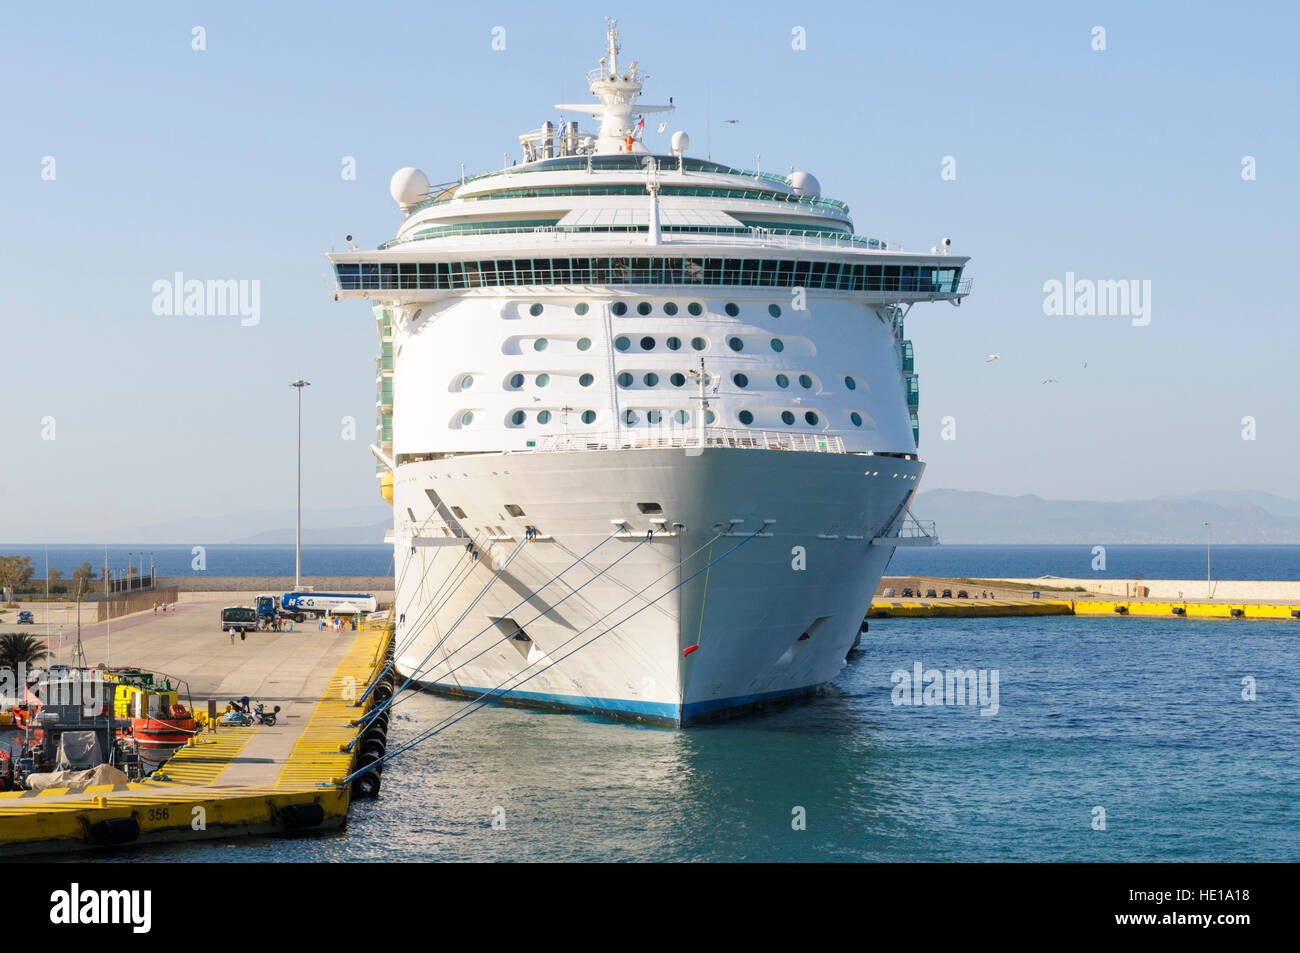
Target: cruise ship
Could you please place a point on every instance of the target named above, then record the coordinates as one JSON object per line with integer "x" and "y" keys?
{"x": 647, "y": 422}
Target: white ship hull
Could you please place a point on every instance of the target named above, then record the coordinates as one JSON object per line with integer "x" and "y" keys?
{"x": 773, "y": 616}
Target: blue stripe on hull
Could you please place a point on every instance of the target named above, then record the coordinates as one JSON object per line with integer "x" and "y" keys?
{"x": 660, "y": 713}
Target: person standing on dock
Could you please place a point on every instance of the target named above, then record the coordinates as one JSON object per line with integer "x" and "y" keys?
{"x": 232, "y": 635}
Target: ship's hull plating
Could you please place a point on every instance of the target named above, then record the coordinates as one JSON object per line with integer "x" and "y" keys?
{"x": 699, "y": 621}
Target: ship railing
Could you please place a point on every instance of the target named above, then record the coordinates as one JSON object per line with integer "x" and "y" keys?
{"x": 782, "y": 237}
{"x": 692, "y": 439}
{"x": 913, "y": 528}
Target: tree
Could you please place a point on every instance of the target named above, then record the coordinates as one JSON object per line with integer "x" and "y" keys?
{"x": 83, "y": 572}
{"x": 53, "y": 575}
{"x": 19, "y": 648}
{"x": 15, "y": 571}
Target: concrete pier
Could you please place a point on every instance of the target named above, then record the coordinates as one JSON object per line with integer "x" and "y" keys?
{"x": 232, "y": 781}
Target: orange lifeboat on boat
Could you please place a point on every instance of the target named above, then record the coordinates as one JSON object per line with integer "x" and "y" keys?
{"x": 157, "y": 737}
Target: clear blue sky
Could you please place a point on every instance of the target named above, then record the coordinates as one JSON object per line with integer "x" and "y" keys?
{"x": 226, "y": 164}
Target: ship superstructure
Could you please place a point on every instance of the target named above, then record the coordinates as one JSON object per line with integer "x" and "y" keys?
{"x": 647, "y": 422}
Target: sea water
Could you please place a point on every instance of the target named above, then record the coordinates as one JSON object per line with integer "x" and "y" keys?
{"x": 1114, "y": 739}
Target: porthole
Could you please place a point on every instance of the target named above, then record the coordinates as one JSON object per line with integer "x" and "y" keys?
{"x": 466, "y": 383}
{"x": 746, "y": 417}
{"x": 586, "y": 380}
{"x": 850, "y": 383}
{"x": 584, "y": 344}
{"x": 740, "y": 380}
{"x": 732, "y": 308}
{"x": 625, "y": 379}
{"x": 630, "y": 417}
{"x": 536, "y": 309}
{"x": 653, "y": 416}
{"x": 543, "y": 380}
{"x": 677, "y": 380}
{"x": 681, "y": 416}
{"x": 540, "y": 344}
{"x": 774, "y": 310}
{"x": 467, "y": 418}
{"x": 811, "y": 418}
{"x": 651, "y": 379}
{"x": 710, "y": 416}
{"x": 517, "y": 381}
{"x": 622, "y": 343}
{"x": 782, "y": 380}
{"x": 805, "y": 381}
{"x": 517, "y": 417}
{"x": 588, "y": 416}
{"x": 580, "y": 308}
{"x": 543, "y": 416}
{"x": 856, "y": 418}
{"x": 670, "y": 308}
{"x": 643, "y": 308}
{"x": 787, "y": 416}
{"x": 778, "y": 345}
{"x": 619, "y": 308}
{"x": 699, "y": 344}
{"x": 647, "y": 344}
{"x": 736, "y": 344}
{"x": 695, "y": 308}
{"x": 674, "y": 344}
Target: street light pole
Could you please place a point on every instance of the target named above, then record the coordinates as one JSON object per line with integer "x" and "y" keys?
{"x": 1209, "y": 592}
{"x": 297, "y": 563}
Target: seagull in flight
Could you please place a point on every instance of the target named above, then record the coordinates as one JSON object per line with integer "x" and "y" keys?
{"x": 1051, "y": 380}
{"x": 992, "y": 357}
{"x": 731, "y": 121}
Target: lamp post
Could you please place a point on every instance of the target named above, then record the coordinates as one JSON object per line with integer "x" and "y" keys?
{"x": 1209, "y": 591}
{"x": 297, "y": 547}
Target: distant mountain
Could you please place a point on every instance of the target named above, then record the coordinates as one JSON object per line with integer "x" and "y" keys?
{"x": 1277, "y": 505}
{"x": 268, "y": 526}
{"x": 963, "y": 516}
{"x": 348, "y": 535}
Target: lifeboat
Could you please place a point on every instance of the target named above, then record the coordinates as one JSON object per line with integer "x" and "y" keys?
{"x": 157, "y": 737}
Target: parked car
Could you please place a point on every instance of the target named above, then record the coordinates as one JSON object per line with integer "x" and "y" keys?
{"x": 26, "y": 618}
{"x": 888, "y": 593}
{"x": 907, "y": 593}
{"x": 947, "y": 593}
{"x": 962, "y": 594}
{"x": 930, "y": 594}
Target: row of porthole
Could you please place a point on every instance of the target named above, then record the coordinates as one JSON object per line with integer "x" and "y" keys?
{"x": 651, "y": 379}
{"x": 648, "y": 343}
{"x": 587, "y": 417}
{"x": 747, "y": 417}
{"x": 643, "y": 308}
{"x": 541, "y": 344}
{"x": 517, "y": 381}
{"x": 519, "y": 418}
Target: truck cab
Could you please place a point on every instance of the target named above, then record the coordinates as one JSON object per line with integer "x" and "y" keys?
{"x": 241, "y": 618}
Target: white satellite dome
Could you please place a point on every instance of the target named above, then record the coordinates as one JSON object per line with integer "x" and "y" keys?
{"x": 408, "y": 186}
{"x": 805, "y": 183}
{"x": 681, "y": 142}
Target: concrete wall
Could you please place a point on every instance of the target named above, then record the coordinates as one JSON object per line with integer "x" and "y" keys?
{"x": 1237, "y": 590}
{"x": 277, "y": 584}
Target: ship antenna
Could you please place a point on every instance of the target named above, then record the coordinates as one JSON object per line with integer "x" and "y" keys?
{"x": 611, "y": 30}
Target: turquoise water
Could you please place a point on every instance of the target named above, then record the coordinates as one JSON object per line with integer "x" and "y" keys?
{"x": 1141, "y": 717}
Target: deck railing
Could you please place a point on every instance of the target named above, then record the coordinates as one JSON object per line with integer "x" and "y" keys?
{"x": 630, "y": 439}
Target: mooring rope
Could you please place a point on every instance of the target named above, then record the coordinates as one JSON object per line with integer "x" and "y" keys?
{"x": 485, "y": 698}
